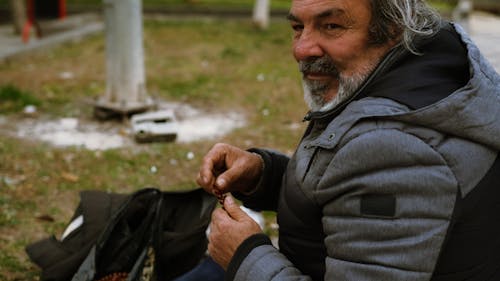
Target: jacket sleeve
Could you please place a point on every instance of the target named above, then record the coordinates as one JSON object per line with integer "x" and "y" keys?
{"x": 265, "y": 196}
{"x": 388, "y": 198}
{"x": 256, "y": 259}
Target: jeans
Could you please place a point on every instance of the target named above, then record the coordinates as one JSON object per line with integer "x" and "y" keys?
{"x": 207, "y": 270}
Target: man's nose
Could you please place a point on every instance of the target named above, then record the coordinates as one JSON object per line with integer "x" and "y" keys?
{"x": 306, "y": 46}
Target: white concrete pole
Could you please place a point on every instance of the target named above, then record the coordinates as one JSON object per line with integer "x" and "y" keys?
{"x": 126, "y": 82}
{"x": 261, "y": 13}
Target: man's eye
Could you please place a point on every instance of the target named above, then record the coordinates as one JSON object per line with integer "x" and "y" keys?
{"x": 331, "y": 26}
{"x": 297, "y": 27}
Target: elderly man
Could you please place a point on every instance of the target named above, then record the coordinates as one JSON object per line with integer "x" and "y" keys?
{"x": 397, "y": 176}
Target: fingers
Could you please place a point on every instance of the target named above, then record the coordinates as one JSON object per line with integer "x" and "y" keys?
{"x": 227, "y": 177}
{"x": 224, "y": 237}
{"x": 233, "y": 209}
{"x": 222, "y": 218}
{"x": 226, "y": 168}
{"x": 228, "y": 229}
{"x": 204, "y": 182}
{"x": 212, "y": 165}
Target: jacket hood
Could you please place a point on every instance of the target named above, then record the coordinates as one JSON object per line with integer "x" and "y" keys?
{"x": 472, "y": 111}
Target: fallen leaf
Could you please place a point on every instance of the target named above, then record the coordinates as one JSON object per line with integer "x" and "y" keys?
{"x": 46, "y": 218}
{"x": 70, "y": 177}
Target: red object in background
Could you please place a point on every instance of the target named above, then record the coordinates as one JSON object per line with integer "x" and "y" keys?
{"x": 30, "y": 6}
{"x": 31, "y": 11}
{"x": 62, "y": 9}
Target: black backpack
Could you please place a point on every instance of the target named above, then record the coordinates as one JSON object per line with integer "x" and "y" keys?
{"x": 150, "y": 235}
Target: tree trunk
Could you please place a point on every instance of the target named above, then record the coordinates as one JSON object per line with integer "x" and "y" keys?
{"x": 18, "y": 9}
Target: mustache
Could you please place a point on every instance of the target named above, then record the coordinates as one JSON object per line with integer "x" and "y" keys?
{"x": 323, "y": 65}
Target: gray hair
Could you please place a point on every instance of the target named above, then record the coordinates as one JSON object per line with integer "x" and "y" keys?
{"x": 402, "y": 19}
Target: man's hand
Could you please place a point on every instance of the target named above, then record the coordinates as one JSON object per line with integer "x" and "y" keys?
{"x": 226, "y": 168}
{"x": 228, "y": 229}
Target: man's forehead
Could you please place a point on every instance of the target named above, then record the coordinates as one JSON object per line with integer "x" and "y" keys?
{"x": 326, "y": 8}
{"x": 319, "y": 15}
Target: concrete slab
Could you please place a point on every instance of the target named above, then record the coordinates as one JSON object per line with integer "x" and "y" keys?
{"x": 54, "y": 32}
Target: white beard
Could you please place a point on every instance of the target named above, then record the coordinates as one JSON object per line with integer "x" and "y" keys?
{"x": 347, "y": 88}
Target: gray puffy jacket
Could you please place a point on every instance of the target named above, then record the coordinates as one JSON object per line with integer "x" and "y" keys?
{"x": 374, "y": 192}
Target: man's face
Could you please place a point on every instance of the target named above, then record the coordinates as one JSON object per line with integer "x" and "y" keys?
{"x": 331, "y": 45}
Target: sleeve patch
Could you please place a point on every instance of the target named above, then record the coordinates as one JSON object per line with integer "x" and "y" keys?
{"x": 378, "y": 205}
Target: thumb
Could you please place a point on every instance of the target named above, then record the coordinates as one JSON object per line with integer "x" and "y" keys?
{"x": 226, "y": 179}
{"x": 233, "y": 209}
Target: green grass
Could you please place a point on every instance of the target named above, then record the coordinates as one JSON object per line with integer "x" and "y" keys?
{"x": 13, "y": 99}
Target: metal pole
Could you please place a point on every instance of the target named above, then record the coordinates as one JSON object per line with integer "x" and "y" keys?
{"x": 125, "y": 84}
